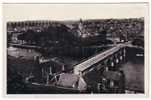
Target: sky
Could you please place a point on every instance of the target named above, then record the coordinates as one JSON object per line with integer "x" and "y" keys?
{"x": 20, "y": 12}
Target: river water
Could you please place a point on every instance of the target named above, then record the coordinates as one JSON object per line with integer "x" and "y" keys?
{"x": 133, "y": 68}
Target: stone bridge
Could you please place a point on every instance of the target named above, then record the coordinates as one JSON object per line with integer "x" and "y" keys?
{"x": 108, "y": 59}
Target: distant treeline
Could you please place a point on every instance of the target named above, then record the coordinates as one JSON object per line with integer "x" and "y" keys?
{"x": 64, "y": 33}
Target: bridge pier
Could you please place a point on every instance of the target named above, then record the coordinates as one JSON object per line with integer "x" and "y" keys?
{"x": 114, "y": 60}
{"x": 124, "y": 52}
{"x": 117, "y": 60}
{"x": 117, "y": 57}
{"x": 110, "y": 64}
{"x": 121, "y": 57}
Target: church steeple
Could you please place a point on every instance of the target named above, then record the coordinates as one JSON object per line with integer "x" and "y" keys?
{"x": 82, "y": 32}
{"x": 80, "y": 26}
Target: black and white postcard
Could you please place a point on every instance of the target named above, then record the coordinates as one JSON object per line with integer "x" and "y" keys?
{"x": 76, "y": 48}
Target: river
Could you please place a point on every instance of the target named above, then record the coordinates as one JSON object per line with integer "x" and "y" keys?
{"x": 133, "y": 68}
